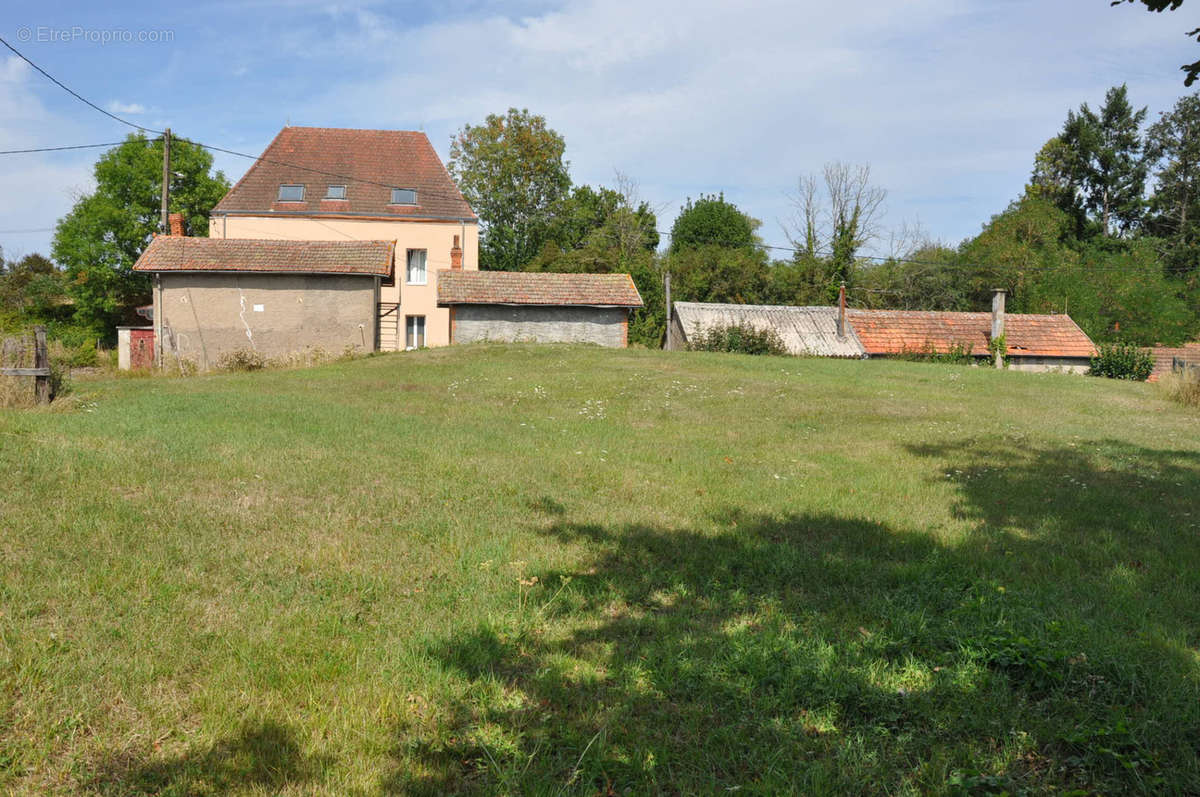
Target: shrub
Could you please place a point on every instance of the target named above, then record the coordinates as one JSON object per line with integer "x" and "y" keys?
{"x": 1122, "y": 361}
{"x": 241, "y": 360}
{"x": 739, "y": 339}
{"x": 956, "y": 354}
{"x": 1183, "y": 387}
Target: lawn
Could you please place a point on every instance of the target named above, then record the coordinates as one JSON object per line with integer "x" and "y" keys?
{"x": 523, "y": 570}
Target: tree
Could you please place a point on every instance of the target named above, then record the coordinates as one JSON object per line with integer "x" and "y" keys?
{"x": 715, "y": 255}
{"x": 1192, "y": 70}
{"x": 1015, "y": 249}
{"x": 610, "y": 231}
{"x": 836, "y": 215}
{"x": 1101, "y": 163}
{"x": 31, "y": 291}
{"x": 511, "y": 170}
{"x": 575, "y": 218}
{"x": 1173, "y": 147}
{"x": 711, "y": 221}
{"x": 100, "y": 239}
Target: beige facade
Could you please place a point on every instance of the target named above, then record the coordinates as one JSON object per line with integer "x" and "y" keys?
{"x": 418, "y": 299}
{"x": 200, "y": 316}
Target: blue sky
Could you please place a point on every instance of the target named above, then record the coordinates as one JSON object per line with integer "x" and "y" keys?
{"x": 947, "y": 100}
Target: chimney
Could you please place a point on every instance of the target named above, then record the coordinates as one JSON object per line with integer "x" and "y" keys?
{"x": 841, "y": 317}
{"x": 175, "y": 220}
{"x": 456, "y": 255}
{"x": 998, "y": 322}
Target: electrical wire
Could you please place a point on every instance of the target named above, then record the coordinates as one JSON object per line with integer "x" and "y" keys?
{"x": 58, "y": 149}
{"x": 457, "y": 196}
{"x": 75, "y": 94}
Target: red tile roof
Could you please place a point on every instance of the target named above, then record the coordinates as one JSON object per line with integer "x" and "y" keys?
{"x": 1164, "y": 357}
{"x": 537, "y": 288}
{"x": 176, "y": 253}
{"x": 368, "y": 162}
{"x": 885, "y": 332}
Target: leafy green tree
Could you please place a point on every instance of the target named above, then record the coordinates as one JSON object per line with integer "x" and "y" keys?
{"x": 1173, "y": 147}
{"x": 1114, "y": 290}
{"x": 1103, "y": 163}
{"x": 31, "y": 291}
{"x": 512, "y": 172}
{"x": 1016, "y": 248}
{"x": 715, "y": 255}
{"x": 576, "y": 217}
{"x": 607, "y": 231}
{"x": 1192, "y": 70}
{"x": 931, "y": 277}
{"x": 714, "y": 273}
{"x": 101, "y": 238}
{"x": 711, "y": 221}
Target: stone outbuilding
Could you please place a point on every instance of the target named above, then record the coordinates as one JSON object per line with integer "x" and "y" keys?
{"x": 804, "y": 331}
{"x": 538, "y": 307}
{"x": 215, "y": 296}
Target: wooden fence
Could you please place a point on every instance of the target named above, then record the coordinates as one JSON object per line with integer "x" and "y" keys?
{"x": 16, "y": 350}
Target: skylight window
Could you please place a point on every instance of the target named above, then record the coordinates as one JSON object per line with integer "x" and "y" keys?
{"x": 291, "y": 193}
{"x": 335, "y": 192}
{"x": 404, "y": 196}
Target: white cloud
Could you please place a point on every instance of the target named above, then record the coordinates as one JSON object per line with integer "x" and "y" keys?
{"x": 38, "y": 188}
{"x": 126, "y": 107}
{"x": 944, "y": 98}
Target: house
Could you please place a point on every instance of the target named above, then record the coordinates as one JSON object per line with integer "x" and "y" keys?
{"x": 334, "y": 184}
{"x": 213, "y": 296}
{"x": 812, "y": 331}
{"x": 539, "y": 307}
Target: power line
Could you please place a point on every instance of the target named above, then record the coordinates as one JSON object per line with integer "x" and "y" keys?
{"x": 58, "y": 149}
{"x": 74, "y": 93}
{"x": 22, "y": 232}
{"x": 885, "y": 259}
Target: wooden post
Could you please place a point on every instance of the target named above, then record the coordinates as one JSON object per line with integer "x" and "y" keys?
{"x": 41, "y": 360}
{"x": 998, "y": 326}
{"x": 667, "y": 290}
{"x": 166, "y": 183}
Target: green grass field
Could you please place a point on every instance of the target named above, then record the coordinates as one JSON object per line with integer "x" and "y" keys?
{"x": 552, "y": 570}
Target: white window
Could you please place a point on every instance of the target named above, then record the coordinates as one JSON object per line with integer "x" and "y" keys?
{"x": 335, "y": 192}
{"x": 414, "y": 336}
{"x": 404, "y": 196}
{"x": 416, "y": 267}
{"x": 291, "y": 193}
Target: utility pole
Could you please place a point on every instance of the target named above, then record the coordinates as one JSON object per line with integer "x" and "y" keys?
{"x": 166, "y": 184}
{"x": 667, "y": 291}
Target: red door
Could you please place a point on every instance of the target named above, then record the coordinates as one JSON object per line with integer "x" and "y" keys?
{"x": 141, "y": 348}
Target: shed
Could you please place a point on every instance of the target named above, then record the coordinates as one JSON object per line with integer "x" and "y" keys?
{"x": 539, "y": 307}
{"x": 1174, "y": 358}
{"x": 214, "y": 296}
{"x": 809, "y": 331}
{"x": 1032, "y": 342}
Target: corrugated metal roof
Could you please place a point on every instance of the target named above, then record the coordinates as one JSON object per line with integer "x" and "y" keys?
{"x": 804, "y": 330}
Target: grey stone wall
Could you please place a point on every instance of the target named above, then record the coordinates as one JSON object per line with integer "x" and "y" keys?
{"x": 1071, "y": 365}
{"x": 604, "y": 326}
{"x": 207, "y": 315}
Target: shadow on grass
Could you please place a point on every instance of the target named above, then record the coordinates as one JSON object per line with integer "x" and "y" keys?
{"x": 265, "y": 756}
{"x": 1047, "y": 645}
